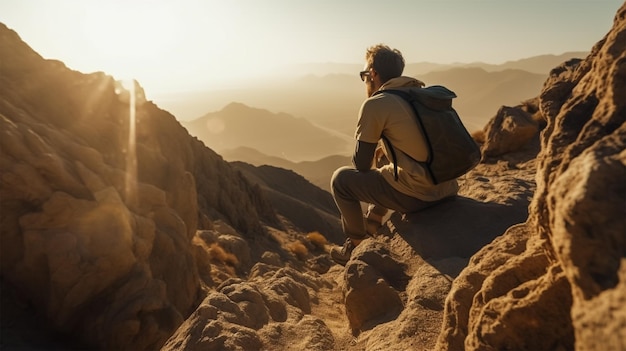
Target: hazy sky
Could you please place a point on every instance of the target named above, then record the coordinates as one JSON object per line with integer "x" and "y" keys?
{"x": 189, "y": 44}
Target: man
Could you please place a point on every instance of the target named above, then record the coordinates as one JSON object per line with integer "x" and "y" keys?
{"x": 383, "y": 116}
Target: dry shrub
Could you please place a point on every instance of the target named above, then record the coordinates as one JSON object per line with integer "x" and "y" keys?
{"x": 317, "y": 239}
{"x": 479, "y": 136}
{"x": 298, "y": 249}
{"x": 217, "y": 253}
{"x": 202, "y": 258}
{"x": 532, "y": 107}
{"x": 215, "y": 265}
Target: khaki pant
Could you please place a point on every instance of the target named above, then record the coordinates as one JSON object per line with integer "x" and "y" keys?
{"x": 350, "y": 187}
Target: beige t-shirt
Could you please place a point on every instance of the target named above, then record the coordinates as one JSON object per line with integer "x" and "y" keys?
{"x": 390, "y": 115}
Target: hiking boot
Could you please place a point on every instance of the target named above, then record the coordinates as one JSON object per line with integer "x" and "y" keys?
{"x": 341, "y": 254}
{"x": 374, "y": 220}
{"x": 372, "y": 226}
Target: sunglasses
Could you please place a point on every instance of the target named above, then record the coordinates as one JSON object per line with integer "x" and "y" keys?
{"x": 364, "y": 74}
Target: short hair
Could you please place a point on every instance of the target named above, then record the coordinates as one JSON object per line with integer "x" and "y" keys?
{"x": 388, "y": 62}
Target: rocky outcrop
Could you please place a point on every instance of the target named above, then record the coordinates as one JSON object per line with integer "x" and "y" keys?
{"x": 262, "y": 310}
{"x": 97, "y": 222}
{"x": 557, "y": 280}
{"x": 372, "y": 279}
{"x": 510, "y": 130}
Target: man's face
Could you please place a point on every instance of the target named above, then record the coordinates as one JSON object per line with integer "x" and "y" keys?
{"x": 366, "y": 76}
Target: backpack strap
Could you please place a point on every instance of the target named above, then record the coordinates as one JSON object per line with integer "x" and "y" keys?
{"x": 406, "y": 96}
{"x": 393, "y": 156}
{"x": 389, "y": 147}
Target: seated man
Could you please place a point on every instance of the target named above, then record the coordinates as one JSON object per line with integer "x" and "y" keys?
{"x": 383, "y": 116}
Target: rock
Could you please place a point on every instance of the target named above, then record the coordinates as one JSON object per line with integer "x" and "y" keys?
{"x": 251, "y": 302}
{"x": 419, "y": 323}
{"x": 309, "y": 333}
{"x": 510, "y": 130}
{"x": 369, "y": 277}
{"x": 271, "y": 307}
{"x": 557, "y": 280}
{"x": 587, "y": 229}
{"x": 290, "y": 291}
{"x": 209, "y": 328}
{"x": 320, "y": 264}
{"x": 238, "y": 247}
{"x": 271, "y": 258}
{"x": 96, "y": 233}
{"x": 457, "y": 228}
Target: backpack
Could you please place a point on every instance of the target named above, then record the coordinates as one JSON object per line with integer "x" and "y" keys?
{"x": 451, "y": 150}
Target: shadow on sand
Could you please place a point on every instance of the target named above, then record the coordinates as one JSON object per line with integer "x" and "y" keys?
{"x": 456, "y": 228}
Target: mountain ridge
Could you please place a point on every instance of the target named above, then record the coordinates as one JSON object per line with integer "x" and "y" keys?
{"x": 541, "y": 64}
{"x": 317, "y": 172}
{"x": 238, "y": 124}
{"x": 330, "y": 105}
{"x": 285, "y": 93}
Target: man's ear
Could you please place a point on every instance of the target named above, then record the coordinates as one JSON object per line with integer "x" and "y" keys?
{"x": 376, "y": 79}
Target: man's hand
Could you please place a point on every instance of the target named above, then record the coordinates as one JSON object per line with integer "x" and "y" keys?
{"x": 380, "y": 157}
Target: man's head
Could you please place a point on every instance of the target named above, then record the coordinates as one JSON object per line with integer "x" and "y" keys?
{"x": 381, "y": 64}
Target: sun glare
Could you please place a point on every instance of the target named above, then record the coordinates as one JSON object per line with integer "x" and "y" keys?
{"x": 127, "y": 93}
{"x": 127, "y": 33}
{"x": 142, "y": 39}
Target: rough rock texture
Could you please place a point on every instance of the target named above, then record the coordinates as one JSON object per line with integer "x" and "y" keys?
{"x": 509, "y": 131}
{"x": 557, "y": 280}
{"x": 370, "y": 278}
{"x": 274, "y": 303}
{"x": 96, "y": 234}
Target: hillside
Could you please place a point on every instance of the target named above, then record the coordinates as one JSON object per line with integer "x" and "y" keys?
{"x": 332, "y": 102}
{"x": 107, "y": 244}
{"x": 308, "y": 207}
{"x": 277, "y": 134}
{"x": 330, "y": 94}
{"x": 480, "y": 92}
{"x": 317, "y": 172}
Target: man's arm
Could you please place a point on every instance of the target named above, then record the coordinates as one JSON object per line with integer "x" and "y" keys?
{"x": 363, "y": 157}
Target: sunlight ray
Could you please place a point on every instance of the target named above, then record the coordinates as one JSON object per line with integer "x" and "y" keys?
{"x": 126, "y": 91}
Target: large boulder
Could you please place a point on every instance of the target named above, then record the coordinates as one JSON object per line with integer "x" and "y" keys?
{"x": 510, "y": 130}
{"x": 557, "y": 280}
{"x": 373, "y": 279}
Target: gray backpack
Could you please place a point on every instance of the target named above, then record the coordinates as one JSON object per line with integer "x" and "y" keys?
{"x": 451, "y": 150}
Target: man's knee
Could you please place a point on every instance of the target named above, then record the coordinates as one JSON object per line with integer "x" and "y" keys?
{"x": 338, "y": 180}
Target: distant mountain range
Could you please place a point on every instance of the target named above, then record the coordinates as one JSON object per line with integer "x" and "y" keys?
{"x": 333, "y": 101}
{"x": 331, "y": 93}
{"x": 312, "y": 135}
{"x": 276, "y": 134}
{"x": 317, "y": 172}
{"x": 541, "y": 64}
{"x": 481, "y": 93}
